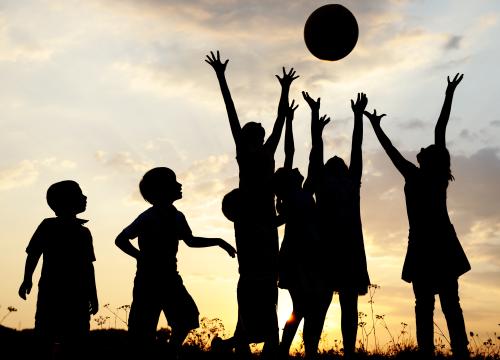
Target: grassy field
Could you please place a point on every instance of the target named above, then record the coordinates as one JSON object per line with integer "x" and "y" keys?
{"x": 114, "y": 344}
{"x": 110, "y": 343}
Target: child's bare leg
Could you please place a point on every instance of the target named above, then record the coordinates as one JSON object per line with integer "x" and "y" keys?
{"x": 292, "y": 323}
{"x": 178, "y": 337}
{"x": 271, "y": 345}
{"x": 289, "y": 331}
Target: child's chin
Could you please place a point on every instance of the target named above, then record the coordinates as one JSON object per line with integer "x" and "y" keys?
{"x": 82, "y": 209}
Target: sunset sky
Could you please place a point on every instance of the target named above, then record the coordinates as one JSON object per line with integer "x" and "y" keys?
{"x": 99, "y": 91}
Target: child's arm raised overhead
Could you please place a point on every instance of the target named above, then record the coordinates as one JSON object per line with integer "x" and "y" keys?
{"x": 444, "y": 116}
{"x": 289, "y": 145}
{"x": 220, "y": 68}
{"x": 200, "y": 242}
{"x": 285, "y": 81}
{"x": 316, "y": 155}
{"x": 403, "y": 165}
{"x": 356, "y": 164}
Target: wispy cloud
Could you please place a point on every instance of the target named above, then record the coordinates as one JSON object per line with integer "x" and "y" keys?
{"x": 453, "y": 42}
{"x": 26, "y": 172}
{"x": 122, "y": 161}
{"x": 22, "y": 174}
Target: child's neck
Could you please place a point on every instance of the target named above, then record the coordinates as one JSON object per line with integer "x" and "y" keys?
{"x": 164, "y": 205}
{"x": 66, "y": 216}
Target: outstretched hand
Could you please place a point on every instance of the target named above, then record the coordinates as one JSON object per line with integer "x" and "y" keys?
{"x": 291, "y": 110}
{"x": 228, "y": 248}
{"x": 287, "y": 78}
{"x": 216, "y": 63}
{"x": 314, "y": 105}
{"x": 374, "y": 118}
{"x": 322, "y": 122}
{"x": 25, "y": 289}
{"x": 452, "y": 84}
{"x": 359, "y": 106}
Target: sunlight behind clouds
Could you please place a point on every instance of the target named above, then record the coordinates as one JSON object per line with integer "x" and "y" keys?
{"x": 102, "y": 90}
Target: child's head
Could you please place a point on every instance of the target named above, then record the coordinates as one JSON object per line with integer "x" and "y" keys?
{"x": 66, "y": 198}
{"x": 286, "y": 180}
{"x": 435, "y": 161}
{"x": 159, "y": 186}
{"x": 252, "y": 135}
{"x": 336, "y": 167}
{"x": 231, "y": 204}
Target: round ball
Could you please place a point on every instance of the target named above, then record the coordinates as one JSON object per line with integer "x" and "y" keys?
{"x": 331, "y": 32}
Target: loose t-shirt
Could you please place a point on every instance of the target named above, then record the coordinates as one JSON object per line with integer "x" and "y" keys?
{"x": 158, "y": 230}
{"x": 66, "y": 247}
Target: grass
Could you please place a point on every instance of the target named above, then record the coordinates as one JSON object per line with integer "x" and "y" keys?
{"x": 110, "y": 343}
{"x": 114, "y": 344}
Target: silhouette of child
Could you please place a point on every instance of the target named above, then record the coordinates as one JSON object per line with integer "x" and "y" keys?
{"x": 158, "y": 285}
{"x": 66, "y": 291}
{"x": 298, "y": 257}
{"x": 434, "y": 259}
{"x": 337, "y": 190}
{"x": 255, "y": 232}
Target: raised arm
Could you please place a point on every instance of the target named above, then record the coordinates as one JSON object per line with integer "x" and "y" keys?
{"x": 285, "y": 81}
{"x": 444, "y": 116}
{"x": 289, "y": 145}
{"x": 316, "y": 155}
{"x": 356, "y": 164}
{"x": 404, "y": 166}
{"x": 220, "y": 68}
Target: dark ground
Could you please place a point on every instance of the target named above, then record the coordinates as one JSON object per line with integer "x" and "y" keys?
{"x": 114, "y": 344}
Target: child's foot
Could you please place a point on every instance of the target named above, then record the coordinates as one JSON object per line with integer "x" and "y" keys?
{"x": 218, "y": 345}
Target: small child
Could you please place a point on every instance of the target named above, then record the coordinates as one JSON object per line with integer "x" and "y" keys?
{"x": 66, "y": 291}
{"x": 158, "y": 285}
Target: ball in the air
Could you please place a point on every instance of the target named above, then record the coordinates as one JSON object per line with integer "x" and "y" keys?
{"x": 331, "y": 32}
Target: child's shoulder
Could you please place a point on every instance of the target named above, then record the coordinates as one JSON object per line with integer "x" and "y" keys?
{"x": 179, "y": 216}
{"x": 146, "y": 215}
{"x": 48, "y": 223}
{"x": 55, "y": 223}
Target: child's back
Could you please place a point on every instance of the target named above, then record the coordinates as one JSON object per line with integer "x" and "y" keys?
{"x": 66, "y": 246}
{"x": 66, "y": 291}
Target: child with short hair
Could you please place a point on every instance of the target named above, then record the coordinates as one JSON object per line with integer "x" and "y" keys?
{"x": 255, "y": 229}
{"x": 158, "y": 285}
{"x": 66, "y": 291}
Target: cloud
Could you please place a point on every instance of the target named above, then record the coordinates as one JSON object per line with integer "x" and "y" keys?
{"x": 20, "y": 46}
{"x": 413, "y": 124}
{"x": 27, "y": 172}
{"x": 209, "y": 179}
{"x": 122, "y": 161}
{"x": 495, "y": 123}
{"x": 466, "y": 134}
{"x": 453, "y": 42}
{"x": 23, "y": 174}
{"x": 259, "y": 37}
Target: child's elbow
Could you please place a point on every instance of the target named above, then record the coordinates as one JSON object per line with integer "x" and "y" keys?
{"x": 120, "y": 240}
{"x": 190, "y": 241}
